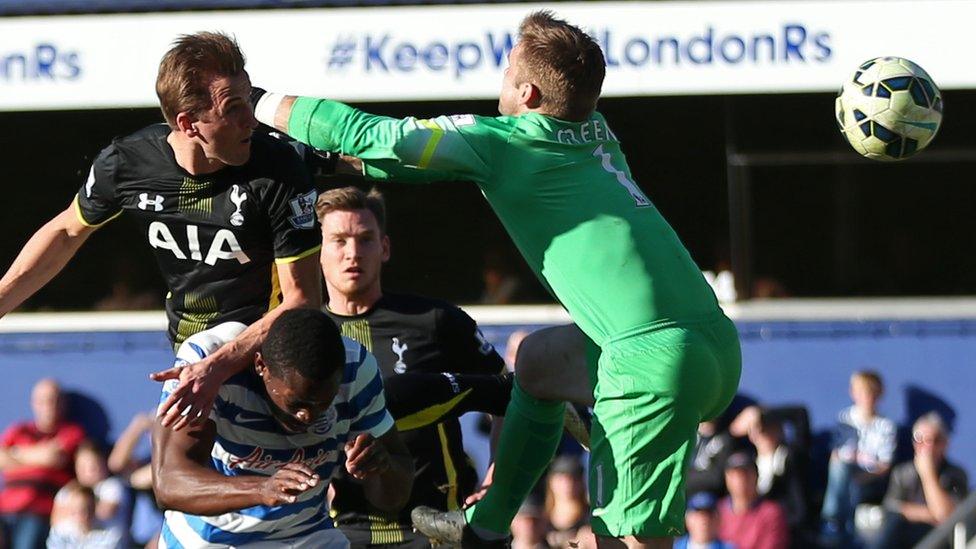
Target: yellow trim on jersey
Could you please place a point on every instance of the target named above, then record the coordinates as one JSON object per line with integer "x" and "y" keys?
{"x": 81, "y": 216}
{"x": 275, "y": 298}
{"x": 429, "y": 415}
{"x": 452, "y": 485}
{"x": 383, "y": 531}
{"x": 359, "y": 331}
{"x": 431, "y": 146}
{"x": 294, "y": 258}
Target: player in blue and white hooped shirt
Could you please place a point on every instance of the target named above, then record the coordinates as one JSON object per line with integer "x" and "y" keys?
{"x": 256, "y": 473}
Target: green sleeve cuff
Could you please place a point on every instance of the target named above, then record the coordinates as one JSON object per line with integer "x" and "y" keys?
{"x": 300, "y": 120}
{"x": 319, "y": 122}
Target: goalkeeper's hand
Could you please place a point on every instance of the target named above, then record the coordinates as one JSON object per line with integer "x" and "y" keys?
{"x": 319, "y": 163}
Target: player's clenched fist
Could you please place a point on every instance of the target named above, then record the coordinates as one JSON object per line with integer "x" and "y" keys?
{"x": 287, "y": 484}
{"x": 366, "y": 456}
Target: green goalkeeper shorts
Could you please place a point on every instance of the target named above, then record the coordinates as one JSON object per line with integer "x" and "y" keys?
{"x": 651, "y": 392}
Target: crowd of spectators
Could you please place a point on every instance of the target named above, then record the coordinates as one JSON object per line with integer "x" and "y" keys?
{"x": 750, "y": 483}
{"x": 59, "y": 490}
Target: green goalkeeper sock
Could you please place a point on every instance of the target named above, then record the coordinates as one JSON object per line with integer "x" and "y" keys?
{"x": 528, "y": 442}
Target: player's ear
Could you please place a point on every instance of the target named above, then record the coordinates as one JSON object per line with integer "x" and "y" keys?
{"x": 385, "y": 242}
{"x": 259, "y": 365}
{"x": 530, "y": 95}
{"x": 186, "y": 124}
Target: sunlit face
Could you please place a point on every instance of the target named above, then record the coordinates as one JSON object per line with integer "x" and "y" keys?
{"x": 46, "y": 404}
{"x": 224, "y": 130}
{"x": 702, "y": 525}
{"x": 297, "y": 401}
{"x": 928, "y": 437}
{"x": 863, "y": 394}
{"x": 509, "y": 100}
{"x": 565, "y": 485}
{"x": 353, "y": 252}
{"x": 90, "y": 468}
{"x": 741, "y": 482}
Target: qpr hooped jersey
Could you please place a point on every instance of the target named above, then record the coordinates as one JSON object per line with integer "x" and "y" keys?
{"x": 216, "y": 237}
{"x": 249, "y": 441}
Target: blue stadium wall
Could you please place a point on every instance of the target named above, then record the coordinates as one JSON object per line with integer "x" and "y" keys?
{"x": 926, "y": 365}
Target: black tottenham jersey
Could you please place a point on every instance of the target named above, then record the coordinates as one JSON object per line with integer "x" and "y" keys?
{"x": 216, "y": 236}
{"x": 417, "y": 334}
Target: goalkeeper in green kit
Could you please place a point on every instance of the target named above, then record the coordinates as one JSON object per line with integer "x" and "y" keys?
{"x": 650, "y": 350}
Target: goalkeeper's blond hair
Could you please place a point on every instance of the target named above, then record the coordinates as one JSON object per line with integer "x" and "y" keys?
{"x": 564, "y": 62}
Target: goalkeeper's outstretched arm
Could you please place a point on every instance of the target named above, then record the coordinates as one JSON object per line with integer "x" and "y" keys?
{"x": 390, "y": 148}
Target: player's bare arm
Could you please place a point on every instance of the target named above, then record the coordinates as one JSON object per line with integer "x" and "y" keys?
{"x": 44, "y": 454}
{"x": 385, "y": 466}
{"x": 273, "y": 107}
{"x": 43, "y": 257}
{"x": 199, "y": 382}
{"x": 182, "y": 480}
{"x": 7, "y": 459}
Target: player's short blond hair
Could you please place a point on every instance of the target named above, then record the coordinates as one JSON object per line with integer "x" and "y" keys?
{"x": 871, "y": 379}
{"x": 564, "y": 62}
{"x": 351, "y": 198}
{"x": 188, "y": 68}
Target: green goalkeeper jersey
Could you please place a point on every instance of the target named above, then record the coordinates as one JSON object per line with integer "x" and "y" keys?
{"x": 562, "y": 189}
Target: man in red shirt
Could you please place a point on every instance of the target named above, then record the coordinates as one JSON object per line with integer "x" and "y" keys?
{"x": 36, "y": 460}
{"x": 745, "y": 519}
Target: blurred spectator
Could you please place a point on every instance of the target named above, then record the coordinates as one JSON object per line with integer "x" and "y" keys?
{"x": 747, "y": 520}
{"x": 530, "y": 526}
{"x": 503, "y": 285}
{"x": 74, "y": 525}
{"x": 780, "y": 477}
{"x": 147, "y": 519}
{"x": 701, "y": 520}
{"x": 124, "y": 294}
{"x": 36, "y": 460}
{"x": 863, "y": 449}
{"x": 566, "y": 507}
{"x": 712, "y": 448}
{"x": 767, "y": 287}
{"x": 923, "y": 492}
{"x": 112, "y": 502}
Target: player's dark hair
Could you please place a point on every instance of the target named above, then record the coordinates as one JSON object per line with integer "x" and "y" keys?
{"x": 564, "y": 62}
{"x": 305, "y": 341}
{"x": 350, "y": 198}
{"x": 188, "y": 68}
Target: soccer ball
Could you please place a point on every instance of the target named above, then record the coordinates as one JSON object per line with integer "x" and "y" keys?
{"x": 890, "y": 109}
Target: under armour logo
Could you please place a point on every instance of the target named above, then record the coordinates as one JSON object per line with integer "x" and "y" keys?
{"x": 238, "y": 198}
{"x": 145, "y": 202}
{"x": 398, "y": 348}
